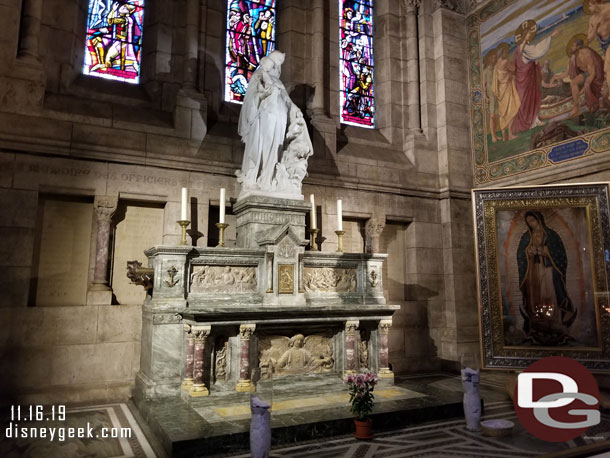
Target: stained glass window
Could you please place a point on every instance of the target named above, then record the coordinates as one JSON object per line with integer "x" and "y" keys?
{"x": 356, "y": 62}
{"x": 114, "y": 39}
{"x": 250, "y": 37}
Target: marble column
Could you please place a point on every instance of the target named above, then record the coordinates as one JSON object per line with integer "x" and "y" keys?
{"x": 191, "y": 44}
{"x": 413, "y": 98}
{"x": 244, "y": 384}
{"x": 99, "y": 293}
{"x": 384, "y": 364}
{"x": 187, "y": 383}
{"x": 351, "y": 362}
{"x": 30, "y": 29}
{"x": 372, "y": 230}
{"x": 200, "y": 334}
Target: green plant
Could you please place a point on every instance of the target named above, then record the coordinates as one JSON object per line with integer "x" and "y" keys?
{"x": 360, "y": 388}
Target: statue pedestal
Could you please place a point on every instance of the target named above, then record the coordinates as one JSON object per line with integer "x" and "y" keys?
{"x": 257, "y": 214}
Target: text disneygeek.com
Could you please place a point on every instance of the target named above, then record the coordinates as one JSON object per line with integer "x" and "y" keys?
{"x": 61, "y": 433}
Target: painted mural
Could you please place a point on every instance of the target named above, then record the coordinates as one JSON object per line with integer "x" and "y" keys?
{"x": 539, "y": 81}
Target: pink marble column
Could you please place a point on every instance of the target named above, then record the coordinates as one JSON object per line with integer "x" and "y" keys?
{"x": 351, "y": 328}
{"x": 200, "y": 333}
{"x": 245, "y": 334}
{"x": 187, "y": 383}
{"x": 384, "y": 365}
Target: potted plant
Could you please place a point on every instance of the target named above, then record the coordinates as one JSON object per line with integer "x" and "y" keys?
{"x": 360, "y": 388}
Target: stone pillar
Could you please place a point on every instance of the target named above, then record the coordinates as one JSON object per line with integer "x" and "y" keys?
{"x": 351, "y": 363}
{"x": 30, "y": 29}
{"x": 191, "y": 44}
{"x": 99, "y": 292}
{"x": 413, "y": 99}
{"x": 200, "y": 334}
{"x": 244, "y": 384}
{"x": 316, "y": 107}
{"x": 187, "y": 383}
{"x": 373, "y": 229}
{"x": 384, "y": 364}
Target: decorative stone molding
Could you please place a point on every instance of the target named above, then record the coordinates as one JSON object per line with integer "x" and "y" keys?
{"x": 372, "y": 230}
{"x": 172, "y": 280}
{"x": 457, "y": 6}
{"x": 221, "y": 349}
{"x": 384, "y": 326}
{"x": 167, "y": 318}
{"x": 374, "y": 279}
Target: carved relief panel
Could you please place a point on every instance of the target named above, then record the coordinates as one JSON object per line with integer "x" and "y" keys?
{"x": 223, "y": 279}
{"x": 283, "y": 355}
{"x": 329, "y": 280}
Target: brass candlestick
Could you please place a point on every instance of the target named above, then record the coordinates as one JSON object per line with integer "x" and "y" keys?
{"x": 184, "y": 223}
{"x": 221, "y": 227}
{"x": 339, "y": 241}
{"x": 314, "y": 236}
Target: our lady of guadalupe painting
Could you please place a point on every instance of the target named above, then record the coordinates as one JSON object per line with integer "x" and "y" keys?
{"x": 543, "y": 256}
{"x": 539, "y": 83}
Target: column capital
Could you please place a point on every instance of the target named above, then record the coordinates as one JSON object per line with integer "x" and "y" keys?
{"x": 457, "y": 6}
{"x": 246, "y": 331}
{"x": 351, "y": 327}
{"x": 201, "y": 333}
{"x": 187, "y": 329}
{"x": 374, "y": 226}
{"x": 384, "y": 326}
{"x": 105, "y": 206}
{"x": 411, "y": 5}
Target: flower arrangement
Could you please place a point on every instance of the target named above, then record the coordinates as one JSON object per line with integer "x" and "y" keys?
{"x": 360, "y": 387}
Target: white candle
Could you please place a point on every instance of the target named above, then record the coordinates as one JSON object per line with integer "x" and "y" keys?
{"x": 313, "y": 211}
{"x": 184, "y": 208}
{"x": 222, "y": 205}
{"x": 339, "y": 215}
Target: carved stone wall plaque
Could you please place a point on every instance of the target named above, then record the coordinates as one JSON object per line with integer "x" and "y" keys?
{"x": 286, "y": 278}
{"x": 283, "y": 355}
{"x": 223, "y": 279}
{"x": 329, "y": 280}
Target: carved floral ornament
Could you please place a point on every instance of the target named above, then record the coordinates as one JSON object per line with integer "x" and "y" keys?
{"x": 246, "y": 331}
{"x": 384, "y": 326}
{"x": 105, "y": 206}
{"x": 201, "y": 333}
{"x": 411, "y": 5}
{"x": 351, "y": 327}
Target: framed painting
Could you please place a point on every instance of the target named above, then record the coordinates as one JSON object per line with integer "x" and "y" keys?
{"x": 543, "y": 270}
{"x": 539, "y": 72}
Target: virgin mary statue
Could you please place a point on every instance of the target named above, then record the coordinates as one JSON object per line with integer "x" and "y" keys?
{"x": 547, "y": 310}
{"x": 275, "y": 135}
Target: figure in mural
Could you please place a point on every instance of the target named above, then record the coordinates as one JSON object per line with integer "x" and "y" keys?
{"x": 547, "y": 310}
{"x": 505, "y": 91}
{"x": 586, "y": 73}
{"x": 599, "y": 27}
{"x": 491, "y": 103}
{"x": 527, "y": 75}
{"x": 265, "y": 116}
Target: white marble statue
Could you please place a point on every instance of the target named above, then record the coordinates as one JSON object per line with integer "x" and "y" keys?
{"x": 275, "y": 134}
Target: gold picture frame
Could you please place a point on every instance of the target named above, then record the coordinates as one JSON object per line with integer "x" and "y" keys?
{"x": 543, "y": 270}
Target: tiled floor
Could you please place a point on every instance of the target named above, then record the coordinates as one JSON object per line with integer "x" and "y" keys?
{"x": 447, "y": 437}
